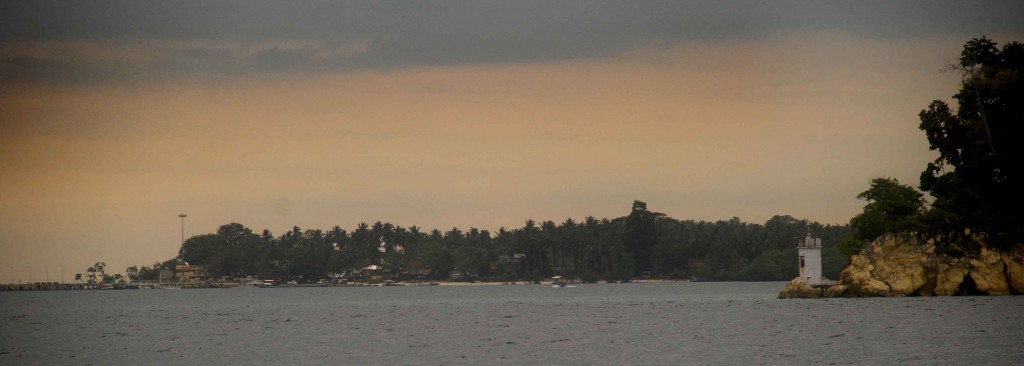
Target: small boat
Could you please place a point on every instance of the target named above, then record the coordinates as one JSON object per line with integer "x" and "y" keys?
{"x": 561, "y": 282}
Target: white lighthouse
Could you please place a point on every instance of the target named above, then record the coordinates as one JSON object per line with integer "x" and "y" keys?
{"x": 810, "y": 260}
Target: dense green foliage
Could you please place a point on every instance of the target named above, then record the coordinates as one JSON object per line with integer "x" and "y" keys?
{"x": 641, "y": 235}
{"x": 976, "y": 179}
{"x": 592, "y": 249}
{"x": 892, "y": 207}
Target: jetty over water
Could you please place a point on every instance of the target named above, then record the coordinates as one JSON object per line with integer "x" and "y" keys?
{"x": 45, "y": 286}
{"x": 55, "y": 286}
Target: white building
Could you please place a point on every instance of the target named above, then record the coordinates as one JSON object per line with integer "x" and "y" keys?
{"x": 810, "y": 260}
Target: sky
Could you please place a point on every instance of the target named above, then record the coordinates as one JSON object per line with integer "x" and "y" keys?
{"x": 117, "y": 116}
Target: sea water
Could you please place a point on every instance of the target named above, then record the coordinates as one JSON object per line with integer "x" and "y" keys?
{"x": 593, "y": 324}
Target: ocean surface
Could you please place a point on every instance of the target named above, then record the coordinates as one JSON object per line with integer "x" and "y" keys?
{"x": 596, "y": 324}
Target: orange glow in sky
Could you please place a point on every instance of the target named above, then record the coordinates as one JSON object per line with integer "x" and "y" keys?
{"x": 792, "y": 123}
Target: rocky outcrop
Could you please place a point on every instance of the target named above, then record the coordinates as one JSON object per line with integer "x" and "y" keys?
{"x": 798, "y": 289}
{"x": 902, "y": 265}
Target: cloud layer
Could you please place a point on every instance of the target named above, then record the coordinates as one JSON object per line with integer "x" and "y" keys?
{"x": 87, "y": 42}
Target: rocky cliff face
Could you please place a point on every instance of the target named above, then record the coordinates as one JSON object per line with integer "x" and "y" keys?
{"x": 901, "y": 265}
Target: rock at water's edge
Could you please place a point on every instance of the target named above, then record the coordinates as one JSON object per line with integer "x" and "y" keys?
{"x": 798, "y": 289}
{"x": 902, "y": 265}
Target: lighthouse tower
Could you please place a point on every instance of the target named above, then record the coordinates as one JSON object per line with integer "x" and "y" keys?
{"x": 810, "y": 260}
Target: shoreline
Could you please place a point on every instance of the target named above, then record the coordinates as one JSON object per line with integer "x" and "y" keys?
{"x": 168, "y": 286}
{"x": 545, "y": 282}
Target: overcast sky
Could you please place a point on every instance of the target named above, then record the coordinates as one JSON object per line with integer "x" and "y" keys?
{"x": 117, "y": 116}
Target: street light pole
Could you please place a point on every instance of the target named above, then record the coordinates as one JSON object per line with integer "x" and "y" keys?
{"x": 62, "y": 273}
{"x": 29, "y": 274}
{"x": 182, "y": 216}
{"x": 47, "y": 268}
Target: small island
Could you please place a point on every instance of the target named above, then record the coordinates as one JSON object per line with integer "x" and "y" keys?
{"x": 968, "y": 239}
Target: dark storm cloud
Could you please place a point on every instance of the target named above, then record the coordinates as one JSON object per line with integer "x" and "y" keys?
{"x": 243, "y": 37}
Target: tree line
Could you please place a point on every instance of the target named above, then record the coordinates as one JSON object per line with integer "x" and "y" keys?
{"x": 644, "y": 243}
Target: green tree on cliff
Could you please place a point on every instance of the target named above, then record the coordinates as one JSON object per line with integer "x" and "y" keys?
{"x": 976, "y": 180}
{"x": 892, "y": 207}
